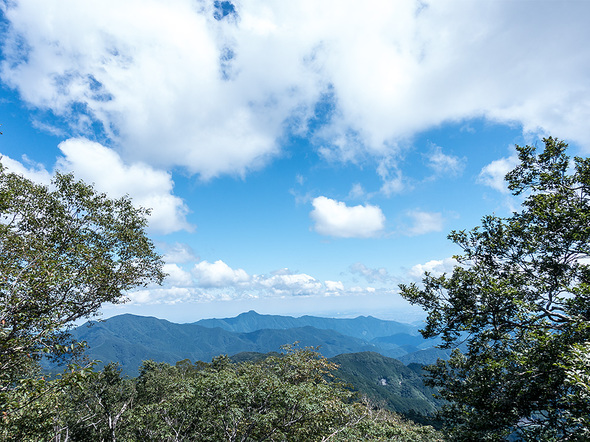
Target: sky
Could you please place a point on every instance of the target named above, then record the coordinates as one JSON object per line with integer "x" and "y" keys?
{"x": 299, "y": 157}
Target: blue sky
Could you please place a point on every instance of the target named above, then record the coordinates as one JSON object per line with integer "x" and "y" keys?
{"x": 300, "y": 157}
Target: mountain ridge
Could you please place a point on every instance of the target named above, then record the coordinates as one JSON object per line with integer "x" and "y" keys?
{"x": 130, "y": 339}
{"x": 361, "y": 327}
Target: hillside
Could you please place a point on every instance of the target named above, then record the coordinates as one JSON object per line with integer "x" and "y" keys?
{"x": 130, "y": 339}
{"x": 387, "y": 381}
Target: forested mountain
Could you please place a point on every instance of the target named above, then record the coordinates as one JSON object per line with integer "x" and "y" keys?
{"x": 386, "y": 381}
{"x": 362, "y": 327}
{"x": 129, "y": 340}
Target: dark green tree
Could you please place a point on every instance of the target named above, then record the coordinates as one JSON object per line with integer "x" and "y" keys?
{"x": 520, "y": 302}
{"x": 64, "y": 251}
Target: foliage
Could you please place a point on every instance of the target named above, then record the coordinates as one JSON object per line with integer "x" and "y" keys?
{"x": 520, "y": 299}
{"x": 39, "y": 408}
{"x": 577, "y": 378}
{"x": 287, "y": 397}
{"x": 277, "y": 398}
{"x": 64, "y": 251}
{"x": 387, "y": 381}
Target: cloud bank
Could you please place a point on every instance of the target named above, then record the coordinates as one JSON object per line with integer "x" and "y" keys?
{"x": 217, "y": 281}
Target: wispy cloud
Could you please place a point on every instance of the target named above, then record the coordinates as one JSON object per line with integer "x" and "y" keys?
{"x": 369, "y": 274}
{"x": 424, "y": 222}
{"x": 443, "y": 164}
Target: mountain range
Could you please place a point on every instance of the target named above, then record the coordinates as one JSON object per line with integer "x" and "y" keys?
{"x": 363, "y": 347}
{"x": 129, "y": 339}
{"x": 362, "y": 327}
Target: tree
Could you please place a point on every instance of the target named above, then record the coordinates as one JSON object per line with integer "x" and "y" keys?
{"x": 64, "y": 251}
{"x": 288, "y": 397}
{"x": 99, "y": 405}
{"x": 520, "y": 301}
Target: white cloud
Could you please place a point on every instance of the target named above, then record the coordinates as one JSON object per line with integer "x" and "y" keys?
{"x": 290, "y": 284}
{"x": 161, "y": 295}
{"x": 102, "y": 167}
{"x": 178, "y": 253}
{"x": 148, "y": 187}
{"x": 177, "y": 276}
{"x": 443, "y": 164}
{"x": 493, "y": 174}
{"x": 424, "y": 222}
{"x": 334, "y": 286}
{"x": 391, "y": 176}
{"x": 335, "y": 218}
{"x": 219, "y": 282}
{"x": 172, "y": 86}
{"x": 434, "y": 267}
{"x": 32, "y": 171}
{"x": 218, "y": 274}
{"x": 357, "y": 191}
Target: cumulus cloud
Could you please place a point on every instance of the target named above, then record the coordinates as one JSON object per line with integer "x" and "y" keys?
{"x": 290, "y": 285}
{"x": 218, "y": 274}
{"x": 176, "y": 84}
{"x": 334, "y": 287}
{"x": 335, "y": 218}
{"x": 148, "y": 187}
{"x": 162, "y": 295}
{"x": 493, "y": 174}
{"x": 177, "y": 276}
{"x": 218, "y": 281}
{"x": 98, "y": 165}
{"x": 424, "y": 222}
